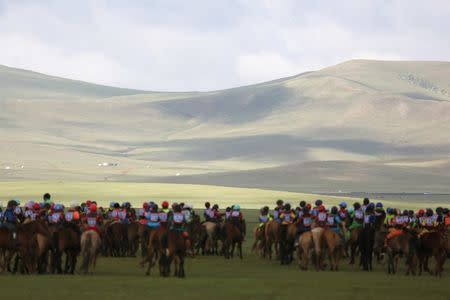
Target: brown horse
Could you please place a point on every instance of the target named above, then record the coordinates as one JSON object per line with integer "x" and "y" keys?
{"x": 174, "y": 250}
{"x": 153, "y": 250}
{"x": 433, "y": 243}
{"x": 211, "y": 245}
{"x": 116, "y": 239}
{"x": 272, "y": 236}
{"x": 353, "y": 243}
{"x": 406, "y": 244}
{"x": 259, "y": 243}
{"x": 198, "y": 235}
{"x": 27, "y": 252}
{"x": 90, "y": 246}
{"x": 70, "y": 244}
{"x": 305, "y": 245}
{"x": 334, "y": 247}
{"x": 7, "y": 249}
{"x": 317, "y": 233}
{"x": 233, "y": 237}
{"x": 132, "y": 238}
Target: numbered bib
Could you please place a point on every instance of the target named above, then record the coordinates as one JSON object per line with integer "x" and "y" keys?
{"x": 178, "y": 218}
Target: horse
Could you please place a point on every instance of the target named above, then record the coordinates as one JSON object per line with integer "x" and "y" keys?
{"x": 211, "y": 246}
{"x": 28, "y": 245}
{"x": 432, "y": 243}
{"x": 305, "y": 245}
{"x": 198, "y": 235}
{"x": 317, "y": 233}
{"x": 116, "y": 237}
{"x": 132, "y": 230}
{"x": 90, "y": 246}
{"x": 174, "y": 250}
{"x": 353, "y": 243}
{"x": 366, "y": 240}
{"x": 7, "y": 249}
{"x": 259, "y": 239}
{"x": 272, "y": 237}
{"x": 69, "y": 243}
{"x": 407, "y": 244}
{"x": 334, "y": 246}
{"x": 233, "y": 237}
{"x": 153, "y": 250}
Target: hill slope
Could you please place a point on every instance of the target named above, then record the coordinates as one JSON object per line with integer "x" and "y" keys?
{"x": 372, "y": 125}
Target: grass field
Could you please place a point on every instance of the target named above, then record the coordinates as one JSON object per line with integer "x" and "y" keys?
{"x": 136, "y": 193}
{"x": 217, "y": 278}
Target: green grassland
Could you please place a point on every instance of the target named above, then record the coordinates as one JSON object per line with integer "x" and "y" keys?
{"x": 217, "y": 278}
{"x": 137, "y": 193}
{"x": 207, "y": 277}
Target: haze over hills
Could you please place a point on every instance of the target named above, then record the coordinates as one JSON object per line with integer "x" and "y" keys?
{"x": 360, "y": 125}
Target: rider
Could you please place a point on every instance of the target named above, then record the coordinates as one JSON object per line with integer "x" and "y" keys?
{"x": 93, "y": 219}
{"x": 343, "y": 213}
{"x": 57, "y": 216}
{"x": 228, "y": 212}
{"x": 207, "y": 211}
{"x": 366, "y": 202}
{"x": 153, "y": 217}
{"x": 317, "y": 204}
{"x": 304, "y": 223}
{"x": 357, "y": 216}
{"x": 287, "y": 217}
{"x": 264, "y": 216}
{"x": 277, "y": 210}
{"x": 369, "y": 216}
{"x": 321, "y": 217}
{"x": 333, "y": 221}
{"x": 144, "y": 213}
{"x": 446, "y": 217}
{"x": 29, "y": 211}
{"x": 179, "y": 224}
{"x": 114, "y": 215}
{"x": 164, "y": 214}
{"x": 10, "y": 220}
{"x": 237, "y": 218}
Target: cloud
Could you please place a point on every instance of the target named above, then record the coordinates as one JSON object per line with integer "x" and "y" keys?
{"x": 207, "y": 45}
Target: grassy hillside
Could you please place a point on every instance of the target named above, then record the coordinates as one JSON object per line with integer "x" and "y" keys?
{"x": 372, "y": 125}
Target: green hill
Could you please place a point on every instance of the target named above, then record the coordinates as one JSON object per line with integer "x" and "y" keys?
{"x": 372, "y": 125}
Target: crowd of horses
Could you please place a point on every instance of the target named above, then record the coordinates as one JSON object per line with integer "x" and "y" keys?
{"x": 40, "y": 247}
{"x": 314, "y": 247}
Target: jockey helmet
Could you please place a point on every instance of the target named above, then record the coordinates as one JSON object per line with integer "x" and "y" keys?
{"x": 318, "y": 202}
{"x": 93, "y": 208}
{"x": 165, "y": 204}
{"x": 343, "y": 204}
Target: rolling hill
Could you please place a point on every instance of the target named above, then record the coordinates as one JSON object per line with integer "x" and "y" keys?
{"x": 360, "y": 125}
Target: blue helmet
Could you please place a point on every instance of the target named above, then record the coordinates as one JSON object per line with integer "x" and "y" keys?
{"x": 318, "y": 202}
{"x": 343, "y": 204}
{"x": 389, "y": 210}
{"x": 58, "y": 207}
{"x": 236, "y": 207}
{"x": 379, "y": 205}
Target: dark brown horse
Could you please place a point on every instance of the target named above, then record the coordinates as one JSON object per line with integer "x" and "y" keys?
{"x": 116, "y": 239}
{"x": 7, "y": 249}
{"x": 433, "y": 244}
{"x": 174, "y": 251}
{"x": 233, "y": 237}
{"x": 27, "y": 251}
{"x": 132, "y": 238}
{"x": 407, "y": 245}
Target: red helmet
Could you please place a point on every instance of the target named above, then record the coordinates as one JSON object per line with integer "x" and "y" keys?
{"x": 88, "y": 203}
{"x": 145, "y": 205}
{"x": 93, "y": 208}
{"x": 321, "y": 208}
{"x": 308, "y": 206}
{"x": 36, "y": 206}
{"x": 421, "y": 212}
{"x": 165, "y": 204}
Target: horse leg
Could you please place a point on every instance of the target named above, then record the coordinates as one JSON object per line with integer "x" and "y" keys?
{"x": 181, "y": 271}
{"x": 240, "y": 250}
{"x": 176, "y": 262}
{"x": 233, "y": 246}
{"x": 352, "y": 252}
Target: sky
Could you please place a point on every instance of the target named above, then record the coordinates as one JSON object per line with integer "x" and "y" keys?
{"x": 170, "y": 45}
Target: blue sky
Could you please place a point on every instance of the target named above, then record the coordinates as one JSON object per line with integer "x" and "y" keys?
{"x": 207, "y": 45}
